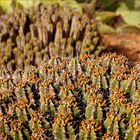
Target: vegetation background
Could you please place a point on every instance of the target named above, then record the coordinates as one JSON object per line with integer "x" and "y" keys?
{"x": 119, "y": 20}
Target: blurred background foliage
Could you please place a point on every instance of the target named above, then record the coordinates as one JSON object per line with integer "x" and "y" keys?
{"x": 114, "y": 15}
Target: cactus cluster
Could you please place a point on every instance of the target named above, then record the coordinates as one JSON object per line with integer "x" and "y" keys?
{"x": 68, "y": 99}
{"x": 33, "y": 36}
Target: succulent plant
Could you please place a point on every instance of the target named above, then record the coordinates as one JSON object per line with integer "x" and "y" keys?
{"x": 33, "y": 36}
{"x": 66, "y": 98}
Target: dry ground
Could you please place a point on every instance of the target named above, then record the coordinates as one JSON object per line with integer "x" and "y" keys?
{"x": 124, "y": 43}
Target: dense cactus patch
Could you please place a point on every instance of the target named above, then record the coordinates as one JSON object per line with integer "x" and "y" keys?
{"x": 33, "y": 36}
{"x": 53, "y": 85}
{"x": 83, "y": 99}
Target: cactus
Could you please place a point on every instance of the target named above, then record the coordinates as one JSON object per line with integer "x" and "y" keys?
{"x": 31, "y": 36}
{"x": 62, "y": 127}
{"x": 66, "y": 98}
{"x": 88, "y": 129}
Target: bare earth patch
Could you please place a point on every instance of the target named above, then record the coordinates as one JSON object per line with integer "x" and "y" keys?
{"x": 125, "y": 43}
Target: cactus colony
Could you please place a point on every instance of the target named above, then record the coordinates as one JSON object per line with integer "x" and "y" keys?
{"x": 53, "y": 85}
{"x": 33, "y": 36}
{"x": 71, "y": 99}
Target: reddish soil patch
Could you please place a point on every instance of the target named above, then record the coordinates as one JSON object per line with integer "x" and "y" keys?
{"x": 126, "y": 43}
